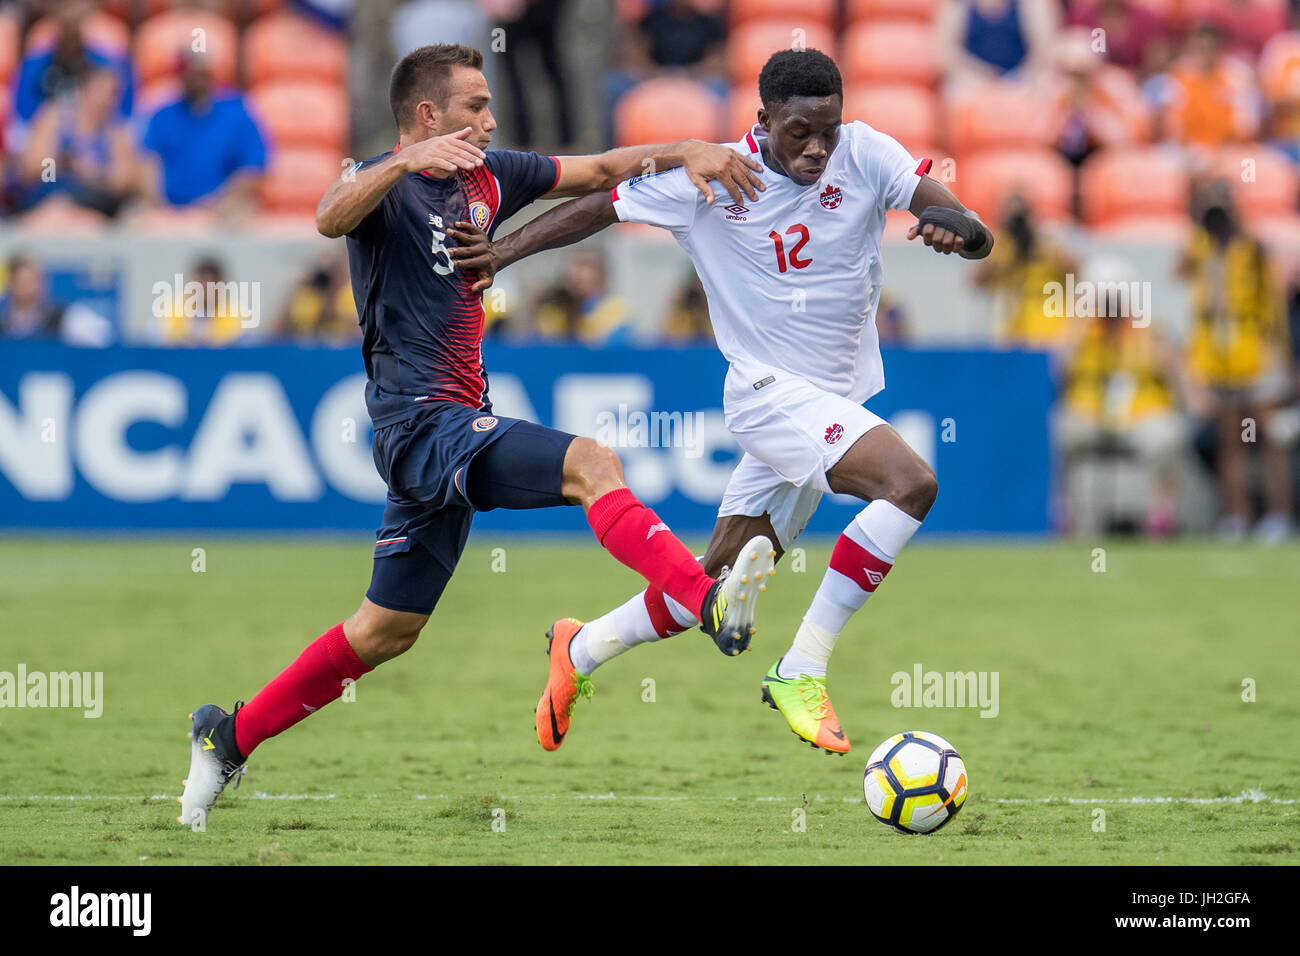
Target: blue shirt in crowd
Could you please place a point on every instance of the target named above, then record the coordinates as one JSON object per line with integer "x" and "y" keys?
{"x": 201, "y": 151}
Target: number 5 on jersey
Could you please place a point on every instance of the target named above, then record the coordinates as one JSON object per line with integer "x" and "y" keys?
{"x": 800, "y": 230}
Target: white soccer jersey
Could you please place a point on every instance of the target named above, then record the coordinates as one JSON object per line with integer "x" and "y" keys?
{"x": 793, "y": 278}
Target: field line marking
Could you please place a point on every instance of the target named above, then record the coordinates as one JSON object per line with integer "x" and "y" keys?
{"x": 1246, "y": 796}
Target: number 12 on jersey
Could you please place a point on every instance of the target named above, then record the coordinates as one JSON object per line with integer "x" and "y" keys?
{"x": 800, "y": 230}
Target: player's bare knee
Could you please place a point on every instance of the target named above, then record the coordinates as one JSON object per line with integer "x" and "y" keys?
{"x": 379, "y": 637}
{"x": 915, "y": 491}
{"x": 590, "y": 470}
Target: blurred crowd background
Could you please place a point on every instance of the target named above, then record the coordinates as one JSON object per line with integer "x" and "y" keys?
{"x": 1154, "y": 142}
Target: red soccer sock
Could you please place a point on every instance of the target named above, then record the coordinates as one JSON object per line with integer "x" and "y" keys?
{"x": 634, "y": 535}
{"x": 304, "y": 687}
{"x": 661, "y": 617}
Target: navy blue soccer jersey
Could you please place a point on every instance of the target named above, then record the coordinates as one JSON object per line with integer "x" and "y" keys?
{"x": 421, "y": 325}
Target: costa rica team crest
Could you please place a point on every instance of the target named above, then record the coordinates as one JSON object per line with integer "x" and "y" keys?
{"x": 831, "y": 196}
{"x": 479, "y": 214}
{"x": 484, "y": 423}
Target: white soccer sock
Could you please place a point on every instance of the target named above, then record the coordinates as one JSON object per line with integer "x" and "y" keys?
{"x": 623, "y": 628}
{"x": 862, "y": 557}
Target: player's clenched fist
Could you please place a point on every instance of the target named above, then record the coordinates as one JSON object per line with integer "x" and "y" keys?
{"x": 443, "y": 156}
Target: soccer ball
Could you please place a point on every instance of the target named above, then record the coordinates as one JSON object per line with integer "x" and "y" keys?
{"x": 915, "y": 782}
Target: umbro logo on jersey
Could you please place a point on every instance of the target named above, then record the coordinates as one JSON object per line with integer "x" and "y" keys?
{"x": 736, "y": 212}
{"x": 834, "y": 434}
{"x": 831, "y": 196}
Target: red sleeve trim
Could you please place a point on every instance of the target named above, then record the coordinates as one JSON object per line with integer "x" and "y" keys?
{"x": 924, "y": 166}
{"x": 613, "y": 194}
{"x": 557, "y": 174}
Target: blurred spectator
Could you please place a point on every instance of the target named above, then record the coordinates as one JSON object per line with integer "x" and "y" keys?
{"x": 79, "y": 150}
{"x": 1212, "y": 96}
{"x": 51, "y": 72}
{"x": 536, "y": 23}
{"x": 688, "y": 316}
{"x": 582, "y": 309}
{"x": 320, "y": 307}
{"x": 673, "y": 35}
{"x": 1137, "y": 36}
{"x": 989, "y": 38}
{"x": 1120, "y": 392}
{"x": 1239, "y": 349}
{"x": 208, "y": 149}
{"x": 207, "y": 319}
{"x": 1093, "y": 104}
{"x": 27, "y": 310}
{"x": 1018, "y": 274}
{"x": 676, "y": 34}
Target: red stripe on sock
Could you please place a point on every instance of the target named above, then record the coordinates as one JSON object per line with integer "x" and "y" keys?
{"x": 636, "y": 536}
{"x": 661, "y": 619}
{"x": 857, "y": 563}
{"x": 305, "y": 686}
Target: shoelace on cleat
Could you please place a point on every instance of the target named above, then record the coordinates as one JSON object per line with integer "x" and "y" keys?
{"x": 583, "y": 687}
{"x": 810, "y": 687}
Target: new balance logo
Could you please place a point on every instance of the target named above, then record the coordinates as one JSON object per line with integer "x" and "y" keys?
{"x": 655, "y": 529}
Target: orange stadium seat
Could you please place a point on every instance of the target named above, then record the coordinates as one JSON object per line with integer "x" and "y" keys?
{"x": 1279, "y": 67}
{"x": 984, "y": 181}
{"x": 1148, "y": 184}
{"x": 163, "y": 37}
{"x": 99, "y": 29}
{"x": 996, "y": 114}
{"x": 908, "y": 113}
{"x": 809, "y": 12}
{"x": 750, "y": 45}
{"x": 665, "y": 109}
{"x": 297, "y": 177}
{"x": 303, "y": 113}
{"x": 8, "y": 48}
{"x": 1262, "y": 180}
{"x": 288, "y": 47}
{"x": 742, "y": 111}
{"x": 923, "y": 10}
{"x": 892, "y": 50}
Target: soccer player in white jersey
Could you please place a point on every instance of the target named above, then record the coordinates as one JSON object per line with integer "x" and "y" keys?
{"x": 792, "y": 283}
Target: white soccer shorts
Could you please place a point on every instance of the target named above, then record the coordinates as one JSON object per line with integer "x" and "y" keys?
{"x": 792, "y": 433}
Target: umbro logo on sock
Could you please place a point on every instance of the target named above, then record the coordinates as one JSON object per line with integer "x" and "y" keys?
{"x": 655, "y": 529}
{"x": 875, "y": 577}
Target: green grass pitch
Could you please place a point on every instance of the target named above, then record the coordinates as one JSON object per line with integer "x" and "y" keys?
{"x": 1117, "y": 689}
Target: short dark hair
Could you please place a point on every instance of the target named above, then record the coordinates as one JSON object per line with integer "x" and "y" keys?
{"x": 791, "y": 73}
{"x": 423, "y": 74}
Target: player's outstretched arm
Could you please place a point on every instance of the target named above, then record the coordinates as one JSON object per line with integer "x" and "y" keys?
{"x": 355, "y": 194}
{"x": 564, "y": 225}
{"x": 934, "y": 206}
{"x": 704, "y": 162}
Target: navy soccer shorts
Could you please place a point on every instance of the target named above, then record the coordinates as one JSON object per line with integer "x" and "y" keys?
{"x": 440, "y": 467}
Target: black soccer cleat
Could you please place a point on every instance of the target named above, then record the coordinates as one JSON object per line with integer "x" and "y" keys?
{"x": 214, "y": 762}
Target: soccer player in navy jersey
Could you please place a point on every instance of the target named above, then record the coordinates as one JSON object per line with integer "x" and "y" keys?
{"x": 437, "y": 444}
